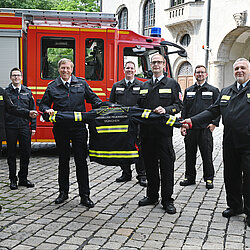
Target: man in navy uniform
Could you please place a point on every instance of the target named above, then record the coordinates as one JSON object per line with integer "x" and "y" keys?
{"x": 68, "y": 93}
{"x": 233, "y": 105}
{"x": 126, "y": 92}
{"x": 19, "y": 128}
{"x": 6, "y": 105}
{"x": 162, "y": 95}
{"x": 197, "y": 98}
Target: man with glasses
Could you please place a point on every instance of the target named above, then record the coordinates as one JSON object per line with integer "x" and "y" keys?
{"x": 161, "y": 95}
{"x": 19, "y": 128}
{"x": 197, "y": 98}
{"x": 126, "y": 92}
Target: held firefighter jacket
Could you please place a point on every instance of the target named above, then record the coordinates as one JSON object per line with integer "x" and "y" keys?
{"x": 198, "y": 99}
{"x": 6, "y": 105}
{"x": 234, "y": 106}
{"x": 24, "y": 99}
{"x": 126, "y": 95}
{"x": 69, "y": 99}
{"x": 113, "y": 131}
{"x": 166, "y": 93}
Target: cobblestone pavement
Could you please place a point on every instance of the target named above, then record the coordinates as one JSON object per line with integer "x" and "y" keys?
{"x": 31, "y": 220}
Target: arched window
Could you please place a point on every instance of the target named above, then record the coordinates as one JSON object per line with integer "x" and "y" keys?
{"x": 185, "y": 40}
{"x": 185, "y": 69}
{"x": 176, "y": 2}
{"x": 123, "y": 18}
{"x": 148, "y": 17}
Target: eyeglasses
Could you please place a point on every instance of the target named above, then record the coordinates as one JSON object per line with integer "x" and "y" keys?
{"x": 157, "y": 62}
{"x": 200, "y": 72}
{"x": 16, "y": 75}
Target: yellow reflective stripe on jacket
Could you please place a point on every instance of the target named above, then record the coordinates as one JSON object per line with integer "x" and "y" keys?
{"x": 52, "y": 118}
{"x": 146, "y": 113}
{"x": 113, "y": 154}
{"x": 78, "y": 116}
{"x": 171, "y": 120}
{"x": 112, "y": 129}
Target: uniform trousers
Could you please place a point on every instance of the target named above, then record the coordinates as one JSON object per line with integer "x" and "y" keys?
{"x": 23, "y": 135}
{"x": 159, "y": 157}
{"x": 237, "y": 176}
{"x": 203, "y": 139}
{"x": 78, "y": 136}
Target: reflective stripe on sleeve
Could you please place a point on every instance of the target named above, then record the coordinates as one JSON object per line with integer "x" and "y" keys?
{"x": 113, "y": 154}
{"x": 52, "y": 118}
{"x": 78, "y": 116}
{"x": 171, "y": 120}
{"x": 146, "y": 113}
{"x": 112, "y": 129}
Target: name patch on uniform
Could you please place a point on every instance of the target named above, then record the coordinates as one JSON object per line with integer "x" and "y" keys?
{"x": 191, "y": 93}
{"x": 226, "y": 97}
{"x": 119, "y": 89}
{"x": 168, "y": 91}
{"x": 143, "y": 91}
{"x": 207, "y": 93}
{"x": 1, "y": 97}
{"x": 248, "y": 95}
{"x": 136, "y": 88}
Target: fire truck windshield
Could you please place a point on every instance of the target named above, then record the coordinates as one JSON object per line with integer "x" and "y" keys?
{"x": 141, "y": 56}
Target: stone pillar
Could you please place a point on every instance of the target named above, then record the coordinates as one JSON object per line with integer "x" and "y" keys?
{"x": 216, "y": 74}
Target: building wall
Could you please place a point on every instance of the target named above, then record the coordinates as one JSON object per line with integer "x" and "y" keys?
{"x": 228, "y": 39}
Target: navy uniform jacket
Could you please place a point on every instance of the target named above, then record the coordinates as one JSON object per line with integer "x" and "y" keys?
{"x": 234, "y": 106}
{"x": 24, "y": 100}
{"x": 6, "y": 105}
{"x": 113, "y": 131}
{"x": 72, "y": 99}
{"x": 122, "y": 94}
{"x": 195, "y": 101}
{"x": 166, "y": 93}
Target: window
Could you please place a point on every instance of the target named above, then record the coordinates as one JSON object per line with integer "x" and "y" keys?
{"x": 94, "y": 59}
{"x": 54, "y": 49}
{"x": 123, "y": 19}
{"x": 185, "y": 40}
{"x": 141, "y": 57}
{"x": 186, "y": 69}
{"x": 175, "y": 2}
{"x": 148, "y": 17}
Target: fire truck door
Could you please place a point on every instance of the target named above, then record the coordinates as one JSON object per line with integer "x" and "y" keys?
{"x": 93, "y": 61}
{"x": 50, "y": 49}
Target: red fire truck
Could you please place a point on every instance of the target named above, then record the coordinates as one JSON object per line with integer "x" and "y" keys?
{"x": 35, "y": 40}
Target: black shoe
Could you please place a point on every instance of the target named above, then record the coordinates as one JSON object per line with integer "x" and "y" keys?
{"x": 147, "y": 201}
{"x": 123, "y": 178}
{"x": 0, "y": 207}
{"x": 231, "y": 212}
{"x": 13, "y": 184}
{"x": 26, "y": 183}
{"x": 142, "y": 181}
{"x": 248, "y": 220}
{"x": 169, "y": 207}
{"x": 85, "y": 201}
{"x": 187, "y": 182}
{"x": 209, "y": 184}
{"x": 63, "y": 196}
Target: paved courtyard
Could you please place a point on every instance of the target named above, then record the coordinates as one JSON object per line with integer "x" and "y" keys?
{"x": 31, "y": 220}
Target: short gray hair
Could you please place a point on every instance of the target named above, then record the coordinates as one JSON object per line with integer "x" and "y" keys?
{"x": 65, "y": 60}
{"x": 242, "y": 59}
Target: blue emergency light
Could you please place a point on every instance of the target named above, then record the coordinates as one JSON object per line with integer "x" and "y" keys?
{"x": 155, "y": 32}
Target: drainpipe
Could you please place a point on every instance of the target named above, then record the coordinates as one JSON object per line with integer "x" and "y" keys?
{"x": 208, "y": 31}
{"x": 100, "y": 5}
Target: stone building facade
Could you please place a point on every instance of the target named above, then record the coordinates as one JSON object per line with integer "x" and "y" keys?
{"x": 214, "y": 33}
